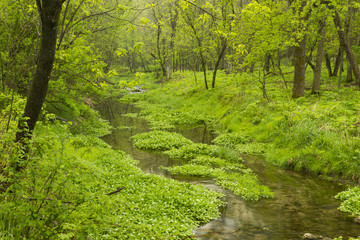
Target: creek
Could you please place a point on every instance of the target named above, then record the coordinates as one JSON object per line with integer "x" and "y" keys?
{"x": 301, "y": 203}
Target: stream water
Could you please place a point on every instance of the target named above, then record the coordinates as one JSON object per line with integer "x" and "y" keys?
{"x": 301, "y": 204}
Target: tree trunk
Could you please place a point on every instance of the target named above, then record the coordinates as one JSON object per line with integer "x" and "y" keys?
{"x": 203, "y": 63}
{"x": 349, "y": 77}
{"x": 347, "y": 47}
{"x": 328, "y": 64}
{"x": 173, "y": 23}
{"x": 319, "y": 60}
{"x": 49, "y": 12}
{"x": 220, "y": 57}
{"x": 267, "y": 63}
{"x": 300, "y": 62}
{"x": 338, "y": 61}
{"x": 340, "y": 73}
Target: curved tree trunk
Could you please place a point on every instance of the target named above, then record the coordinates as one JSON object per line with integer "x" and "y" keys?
{"x": 49, "y": 12}
{"x": 338, "y": 61}
{"x": 344, "y": 40}
{"x": 220, "y": 57}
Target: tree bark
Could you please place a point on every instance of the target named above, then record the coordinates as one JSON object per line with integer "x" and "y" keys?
{"x": 349, "y": 77}
{"x": 49, "y": 12}
{"x": 338, "y": 61}
{"x": 220, "y": 57}
{"x": 319, "y": 60}
{"x": 173, "y": 23}
{"x": 328, "y": 64}
{"x": 267, "y": 63}
{"x": 300, "y": 63}
{"x": 344, "y": 40}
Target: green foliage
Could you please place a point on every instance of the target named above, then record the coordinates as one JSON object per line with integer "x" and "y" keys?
{"x": 194, "y": 170}
{"x": 64, "y": 193}
{"x": 231, "y": 139}
{"x": 159, "y": 140}
{"x": 350, "y": 201}
{"x": 253, "y": 148}
{"x": 165, "y": 118}
{"x": 243, "y": 183}
{"x": 192, "y": 150}
{"x": 246, "y": 185}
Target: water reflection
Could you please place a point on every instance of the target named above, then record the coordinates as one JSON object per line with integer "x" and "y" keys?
{"x": 301, "y": 203}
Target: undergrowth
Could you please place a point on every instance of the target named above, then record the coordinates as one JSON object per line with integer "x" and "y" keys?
{"x": 74, "y": 186}
{"x": 203, "y": 160}
{"x": 316, "y": 134}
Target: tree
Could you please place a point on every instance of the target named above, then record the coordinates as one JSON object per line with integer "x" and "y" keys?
{"x": 345, "y": 42}
{"x": 319, "y": 59}
{"x": 49, "y": 12}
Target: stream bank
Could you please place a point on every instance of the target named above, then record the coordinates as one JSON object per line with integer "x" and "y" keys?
{"x": 301, "y": 204}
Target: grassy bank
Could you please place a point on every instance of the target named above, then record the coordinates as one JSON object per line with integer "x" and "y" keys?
{"x": 75, "y": 186}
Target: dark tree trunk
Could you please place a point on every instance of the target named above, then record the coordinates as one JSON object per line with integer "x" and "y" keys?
{"x": 328, "y": 64}
{"x": 319, "y": 60}
{"x": 338, "y": 61}
{"x": 349, "y": 77}
{"x": 49, "y": 12}
{"x": 267, "y": 63}
{"x": 203, "y": 63}
{"x": 344, "y": 40}
{"x": 300, "y": 64}
{"x": 220, "y": 57}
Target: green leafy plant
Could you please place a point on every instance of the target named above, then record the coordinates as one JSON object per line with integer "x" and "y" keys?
{"x": 350, "y": 201}
{"x": 231, "y": 139}
{"x": 159, "y": 140}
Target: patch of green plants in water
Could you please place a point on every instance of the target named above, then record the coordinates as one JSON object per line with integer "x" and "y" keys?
{"x": 211, "y": 161}
{"x": 160, "y": 140}
{"x": 193, "y": 150}
{"x": 238, "y": 179}
{"x": 350, "y": 201}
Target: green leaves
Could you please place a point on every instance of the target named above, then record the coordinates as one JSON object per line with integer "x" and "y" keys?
{"x": 64, "y": 194}
{"x": 159, "y": 140}
{"x": 350, "y": 201}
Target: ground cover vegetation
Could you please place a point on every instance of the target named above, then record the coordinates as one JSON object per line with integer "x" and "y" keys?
{"x": 276, "y": 78}
{"x": 210, "y": 161}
